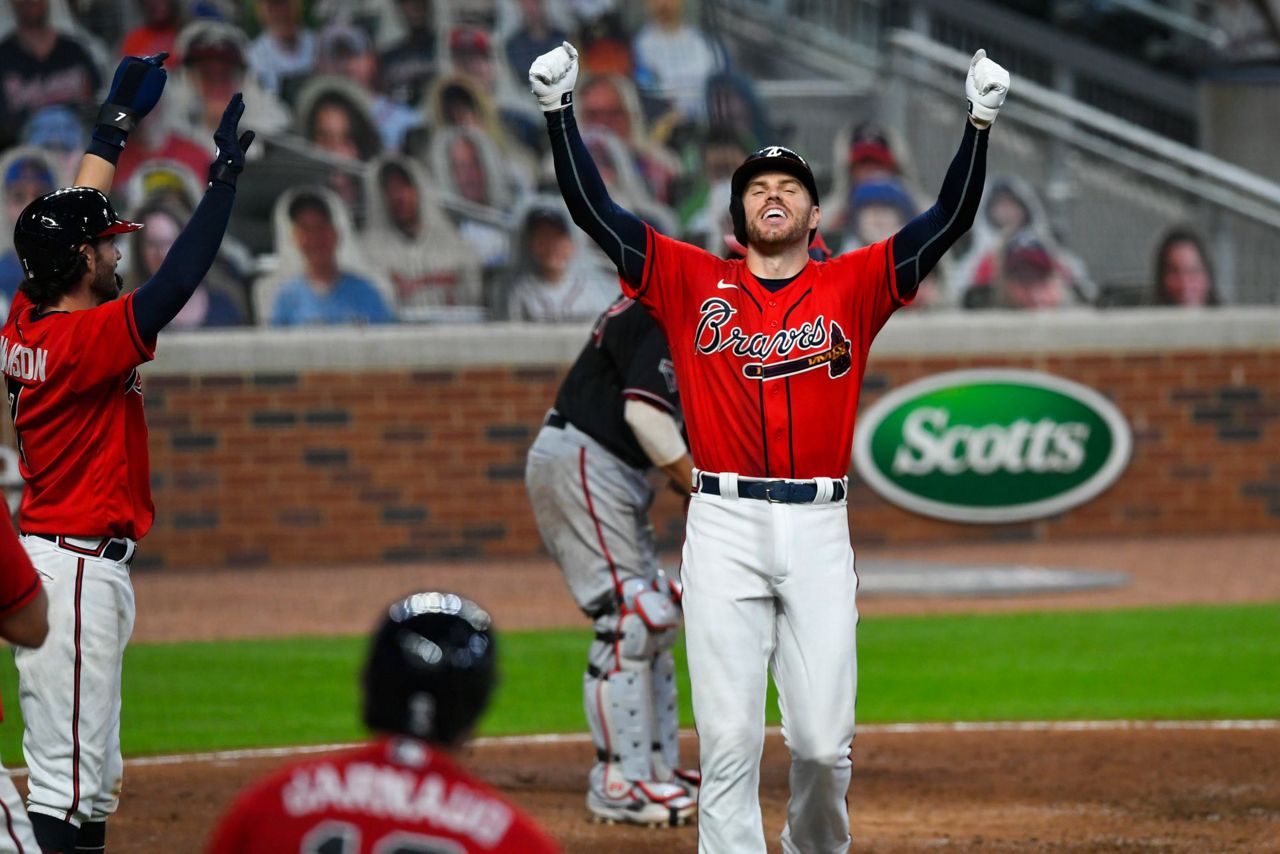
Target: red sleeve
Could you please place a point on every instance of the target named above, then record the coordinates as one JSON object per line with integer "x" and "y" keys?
{"x": 107, "y": 344}
{"x": 667, "y": 263}
{"x": 868, "y": 273}
{"x": 19, "y": 583}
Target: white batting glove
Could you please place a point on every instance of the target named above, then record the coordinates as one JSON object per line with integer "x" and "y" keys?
{"x": 984, "y": 88}
{"x": 552, "y": 75}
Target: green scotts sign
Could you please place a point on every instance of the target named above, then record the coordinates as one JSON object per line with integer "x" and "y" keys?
{"x": 991, "y": 446}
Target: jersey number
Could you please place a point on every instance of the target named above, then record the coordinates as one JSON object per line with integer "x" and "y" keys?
{"x": 340, "y": 837}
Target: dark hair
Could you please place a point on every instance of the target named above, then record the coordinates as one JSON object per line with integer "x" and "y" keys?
{"x": 393, "y": 168}
{"x": 726, "y": 135}
{"x": 547, "y": 216}
{"x": 309, "y": 202}
{"x": 45, "y": 292}
{"x": 1002, "y": 187}
{"x": 1174, "y": 236}
{"x": 457, "y": 95}
{"x": 368, "y": 142}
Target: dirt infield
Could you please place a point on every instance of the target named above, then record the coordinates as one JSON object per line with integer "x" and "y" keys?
{"x": 1107, "y": 790}
{"x": 226, "y": 603}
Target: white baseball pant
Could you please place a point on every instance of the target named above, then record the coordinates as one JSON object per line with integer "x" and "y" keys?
{"x": 69, "y": 687}
{"x": 771, "y": 585}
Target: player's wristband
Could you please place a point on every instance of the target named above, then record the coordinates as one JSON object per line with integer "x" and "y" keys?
{"x": 111, "y": 132}
{"x": 107, "y": 143}
{"x": 116, "y": 116}
{"x": 224, "y": 174}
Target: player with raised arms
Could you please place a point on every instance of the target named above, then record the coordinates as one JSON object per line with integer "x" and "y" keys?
{"x": 71, "y": 351}
{"x": 769, "y": 354}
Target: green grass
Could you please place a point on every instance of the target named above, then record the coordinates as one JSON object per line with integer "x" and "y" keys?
{"x": 1174, "y": 663}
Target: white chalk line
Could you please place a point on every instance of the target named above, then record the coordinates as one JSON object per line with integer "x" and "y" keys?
{"x": 585, "y": 738}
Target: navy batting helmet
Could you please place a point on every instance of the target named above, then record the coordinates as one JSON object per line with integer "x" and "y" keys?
{"x": 50, "y": 231}
{"x": 774, "y": 158}
{"x": 431, "y": 668}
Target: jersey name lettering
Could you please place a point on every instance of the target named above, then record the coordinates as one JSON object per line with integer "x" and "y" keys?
{"x": 384, "y": 791}
{"x": 712, "y": 337}
{"x": 23, "y": 363}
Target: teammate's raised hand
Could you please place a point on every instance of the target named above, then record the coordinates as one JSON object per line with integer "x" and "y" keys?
{"x": 985, "y": 89}
{"x": 229, "y": 162}
{"x": 552, "y": 76}
{"x": 135, "y": 90}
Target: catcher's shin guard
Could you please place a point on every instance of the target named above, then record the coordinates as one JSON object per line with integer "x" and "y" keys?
{"x": 666, "y": 721}
{"x": 666, "y": 728}
{"x": 618, "y": 701}
{"x": 618, "y": 694}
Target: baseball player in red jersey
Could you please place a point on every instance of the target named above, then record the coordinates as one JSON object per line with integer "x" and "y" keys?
{"x": 70, "y": 354}
{"x": 769, "y": 353}
{"x": 428, "y": 678}
{"x": 23, "y": 622}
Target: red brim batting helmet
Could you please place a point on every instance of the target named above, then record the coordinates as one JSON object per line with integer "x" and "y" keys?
{"x": 774, "y": 158}
{"x": 50, "y": 231}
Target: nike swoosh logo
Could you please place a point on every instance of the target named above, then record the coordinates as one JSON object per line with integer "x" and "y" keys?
{"x": 725, "y": 286}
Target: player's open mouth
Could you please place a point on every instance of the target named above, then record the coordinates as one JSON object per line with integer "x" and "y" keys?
{"x": 774, "y": 214}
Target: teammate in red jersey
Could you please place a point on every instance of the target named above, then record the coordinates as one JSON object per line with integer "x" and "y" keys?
{"x": 428, "y": 678}
{"x": 23, "y": 622}
{"x": 70, "y": 353}
{"x": 769, "y": 353}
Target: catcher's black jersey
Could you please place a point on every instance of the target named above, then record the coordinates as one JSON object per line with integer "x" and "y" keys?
{"x": 626, "y": 358}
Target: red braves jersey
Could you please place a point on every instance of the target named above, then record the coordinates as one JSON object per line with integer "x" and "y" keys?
{"x": 19, "y": 583}
{"x": 76, "y": 400}
{"x": 393, "y": 795}
{"x": 769, "y": 380}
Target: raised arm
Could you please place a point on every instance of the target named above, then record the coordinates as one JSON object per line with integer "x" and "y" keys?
{"x": 922, "y": 242}
{"x": 161, "y": 297}
{"x": 618, "y": 232}
{"x": 135, "y": 90}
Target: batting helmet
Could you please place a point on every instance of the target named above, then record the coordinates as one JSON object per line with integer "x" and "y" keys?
{"x": 431, "y": 668}
{"x": 774, "y": 158}
{"x": 50, "y": 231}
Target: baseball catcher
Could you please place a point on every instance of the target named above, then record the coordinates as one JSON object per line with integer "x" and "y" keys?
{"x": 616, "y": 417}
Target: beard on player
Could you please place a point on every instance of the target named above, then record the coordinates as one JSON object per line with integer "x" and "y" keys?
{"x": 107, "y": 283}
{"x": 769, "y": 235}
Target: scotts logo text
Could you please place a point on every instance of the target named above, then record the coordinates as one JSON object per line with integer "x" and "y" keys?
{"x": 822, "y": 344}
{"x": 991, "y": 445}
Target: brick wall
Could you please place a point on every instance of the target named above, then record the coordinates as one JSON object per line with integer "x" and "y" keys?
{"x": 300, "y": 466}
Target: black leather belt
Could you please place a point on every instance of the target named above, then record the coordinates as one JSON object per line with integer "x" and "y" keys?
{"x": 556, "y": 420}
{"x": 108, "y": 548}
{"x": 774, "y": 491}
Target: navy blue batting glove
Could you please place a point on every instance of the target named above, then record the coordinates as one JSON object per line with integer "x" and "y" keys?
{"x": 229, "y": 162}
{"x": 135, "y": 90}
